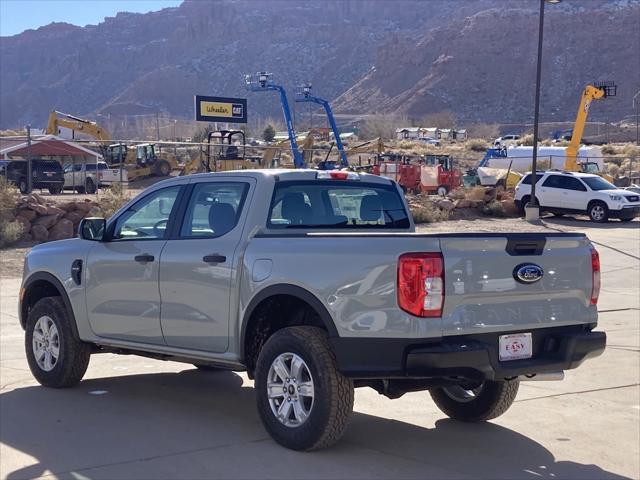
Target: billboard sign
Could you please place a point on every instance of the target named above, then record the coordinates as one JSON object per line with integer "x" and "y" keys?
{"x": 220, "y": 109}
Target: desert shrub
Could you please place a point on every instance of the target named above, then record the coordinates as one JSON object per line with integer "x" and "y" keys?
{"x": 631, "y": 151}
{"x": 613, "y": 169}
{"x": 477, "y": 144}
{"x": 494, "y": 209}
{"x": 428, "y": 212}
{"x": 114, "y": 198}
{"x": 608, "y": 150}
{"x": 10, "y": 232}
{"x": 527, "y": 140}
{"x": 9, "y": 196}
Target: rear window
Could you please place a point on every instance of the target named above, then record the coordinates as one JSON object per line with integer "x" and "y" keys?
{"x": 527, "y": 179}
{"x": 335, "y": 205}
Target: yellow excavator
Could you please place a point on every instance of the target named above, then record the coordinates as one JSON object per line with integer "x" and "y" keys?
{"x": 139, "y": 161}
{"x": 271, "y": 156}
{"x": 589, "y": 94}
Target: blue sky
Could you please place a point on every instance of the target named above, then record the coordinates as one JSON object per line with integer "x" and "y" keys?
{"x": 19, "y": 15}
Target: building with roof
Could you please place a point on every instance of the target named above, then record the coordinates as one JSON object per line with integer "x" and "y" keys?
{"x": 49, "y": 147}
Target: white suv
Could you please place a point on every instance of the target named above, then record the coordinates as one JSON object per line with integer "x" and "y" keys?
{"x": 568, "y": 192}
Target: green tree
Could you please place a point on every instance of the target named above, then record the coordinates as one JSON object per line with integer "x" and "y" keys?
{"x": 269, "y": 133}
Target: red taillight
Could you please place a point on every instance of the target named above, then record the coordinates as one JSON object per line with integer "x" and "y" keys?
{"x": 339, "y": 175}
{"x": 421, "y": 284}
{"x": 595, "y": 276}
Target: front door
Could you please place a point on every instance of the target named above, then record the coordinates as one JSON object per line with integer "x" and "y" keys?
{"x": 122, "y": 292}
{"x": 197, "y": 266}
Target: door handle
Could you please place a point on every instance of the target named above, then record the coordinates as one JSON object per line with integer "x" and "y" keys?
{"x": 144, "y": 258}
{"x": 215, "y": 258}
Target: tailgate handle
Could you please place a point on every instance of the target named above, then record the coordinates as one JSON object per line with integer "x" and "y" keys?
{"x": 516, "y": 247}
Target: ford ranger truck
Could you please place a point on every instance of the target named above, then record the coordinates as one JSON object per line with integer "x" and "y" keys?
{"x": 314, "y": 283}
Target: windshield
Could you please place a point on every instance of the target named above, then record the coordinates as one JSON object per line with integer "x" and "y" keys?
{"x": 337, "y": 204}
{"x": 598, "y": 183}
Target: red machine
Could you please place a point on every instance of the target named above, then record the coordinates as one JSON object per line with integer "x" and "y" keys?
{"x": 401, "y": 170}
{"x": 442, "y": 177}
{"x": 432, "y": 174}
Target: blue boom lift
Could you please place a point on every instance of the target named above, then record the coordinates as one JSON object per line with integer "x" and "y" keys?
{"x": 304, "y": 95}
{"x": 263, "y": 82}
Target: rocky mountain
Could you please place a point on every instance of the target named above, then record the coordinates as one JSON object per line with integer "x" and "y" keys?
{"x": 474, "y": 57}
{"x": 482, "y": 67}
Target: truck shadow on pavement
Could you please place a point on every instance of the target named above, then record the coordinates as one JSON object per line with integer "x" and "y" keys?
{"x": 584, "y": 222}
{"x": 194, "y": 424}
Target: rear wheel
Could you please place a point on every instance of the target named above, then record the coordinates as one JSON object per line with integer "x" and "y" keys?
{"x": 55, "y": 356}
{"x": 303, "y": 400}
{"x": 521, "y": 204}
{"x": 479, "y": 403}
{"x": 442, "y": 190}
{"x": 90, "y": 187}
{"x": 163, "y": 168}
{"x": 23, "y": 186}
{"x": 598, "y": 212}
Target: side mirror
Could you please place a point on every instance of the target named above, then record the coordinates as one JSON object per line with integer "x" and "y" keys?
{"x": 92, "y": 228}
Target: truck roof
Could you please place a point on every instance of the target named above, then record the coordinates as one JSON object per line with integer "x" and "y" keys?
{"x": 284, "y": 174}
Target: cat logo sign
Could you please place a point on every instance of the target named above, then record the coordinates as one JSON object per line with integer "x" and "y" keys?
{"x": 220, "y": 109}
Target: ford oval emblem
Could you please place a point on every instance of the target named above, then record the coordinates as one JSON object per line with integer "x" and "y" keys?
{"x": 528, "y": 273}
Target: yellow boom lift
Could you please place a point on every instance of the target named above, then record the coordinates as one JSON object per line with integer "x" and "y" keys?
{"x": 589, "y": 94}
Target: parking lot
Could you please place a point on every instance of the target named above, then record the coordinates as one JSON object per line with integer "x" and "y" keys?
{"x": 138, "y": 418}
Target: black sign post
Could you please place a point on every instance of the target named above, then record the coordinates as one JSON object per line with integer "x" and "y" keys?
{"x": 220, "y": 109}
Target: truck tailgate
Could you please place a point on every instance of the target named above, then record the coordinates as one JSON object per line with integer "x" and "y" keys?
{"x": 484, "y": 294}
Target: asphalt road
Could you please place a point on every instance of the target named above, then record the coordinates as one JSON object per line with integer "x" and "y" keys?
{"x": 137, "y": 418}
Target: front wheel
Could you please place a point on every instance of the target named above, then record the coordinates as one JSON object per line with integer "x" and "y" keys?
{"x": 598, "y": 212}
{"x": 55, "y": 356}
{"x": 488, "y": 400}
{"x": 303, "y": 400}
{"x": 163, "y": 169}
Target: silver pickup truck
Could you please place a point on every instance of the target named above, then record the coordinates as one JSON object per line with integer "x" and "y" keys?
{"x": 313, "y": 282}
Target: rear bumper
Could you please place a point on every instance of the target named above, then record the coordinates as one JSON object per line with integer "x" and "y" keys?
{"x": 473, "y": 357}
{"x": 625, "y": 212}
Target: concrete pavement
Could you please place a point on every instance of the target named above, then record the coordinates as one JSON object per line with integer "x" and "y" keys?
{"x": 138, "y": 418}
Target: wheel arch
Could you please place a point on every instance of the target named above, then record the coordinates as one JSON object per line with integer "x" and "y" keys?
{"x": 283, "y": 290}
{"x": 40, "y": 285}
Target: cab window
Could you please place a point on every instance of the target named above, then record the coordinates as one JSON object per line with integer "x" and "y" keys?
{"x": 148, "y": 218}
{"x": 214, "y": 209}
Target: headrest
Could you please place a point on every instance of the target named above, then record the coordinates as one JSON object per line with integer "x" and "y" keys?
{"x": 370, "y": 208}
{"x": 222, "y": 218}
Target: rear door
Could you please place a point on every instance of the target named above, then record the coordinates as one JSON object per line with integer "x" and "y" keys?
{"x": 483, "y": 293}
{"x": 197, "y": 265}
{"x": 551, "y": 192}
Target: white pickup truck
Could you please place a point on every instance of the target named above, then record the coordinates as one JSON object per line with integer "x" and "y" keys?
{"x": 87, "y": 177}
{"x": 314, "y": 283}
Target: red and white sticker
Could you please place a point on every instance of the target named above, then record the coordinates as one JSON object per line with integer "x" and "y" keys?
{"x": 515, "y": 346}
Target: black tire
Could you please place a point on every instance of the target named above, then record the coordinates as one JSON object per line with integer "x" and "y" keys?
{"x": 74, "y": 355}
{"x": 442, "y": 190}
{"x": 163, "y": 169}
{"x": 90, "y": 187}
{"x": 598, "y": 212}
{"x": 23, "y": 186}
{"x": 522, "y": 203}
{"x": 55, "y": 190}
{"x": 333, "y": 392}
{"x": 492, "y": 400}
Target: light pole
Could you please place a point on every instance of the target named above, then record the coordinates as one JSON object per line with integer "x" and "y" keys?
{"x": 636, "y": 101}
{"x": 532, "y": 209}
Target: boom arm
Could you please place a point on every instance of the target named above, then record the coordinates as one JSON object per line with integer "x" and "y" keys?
{"x": 59, "y": 119}
{"x": 589, "y": 94}
{"x": 264, "y": 83}
{"x": 307, "y": 97}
